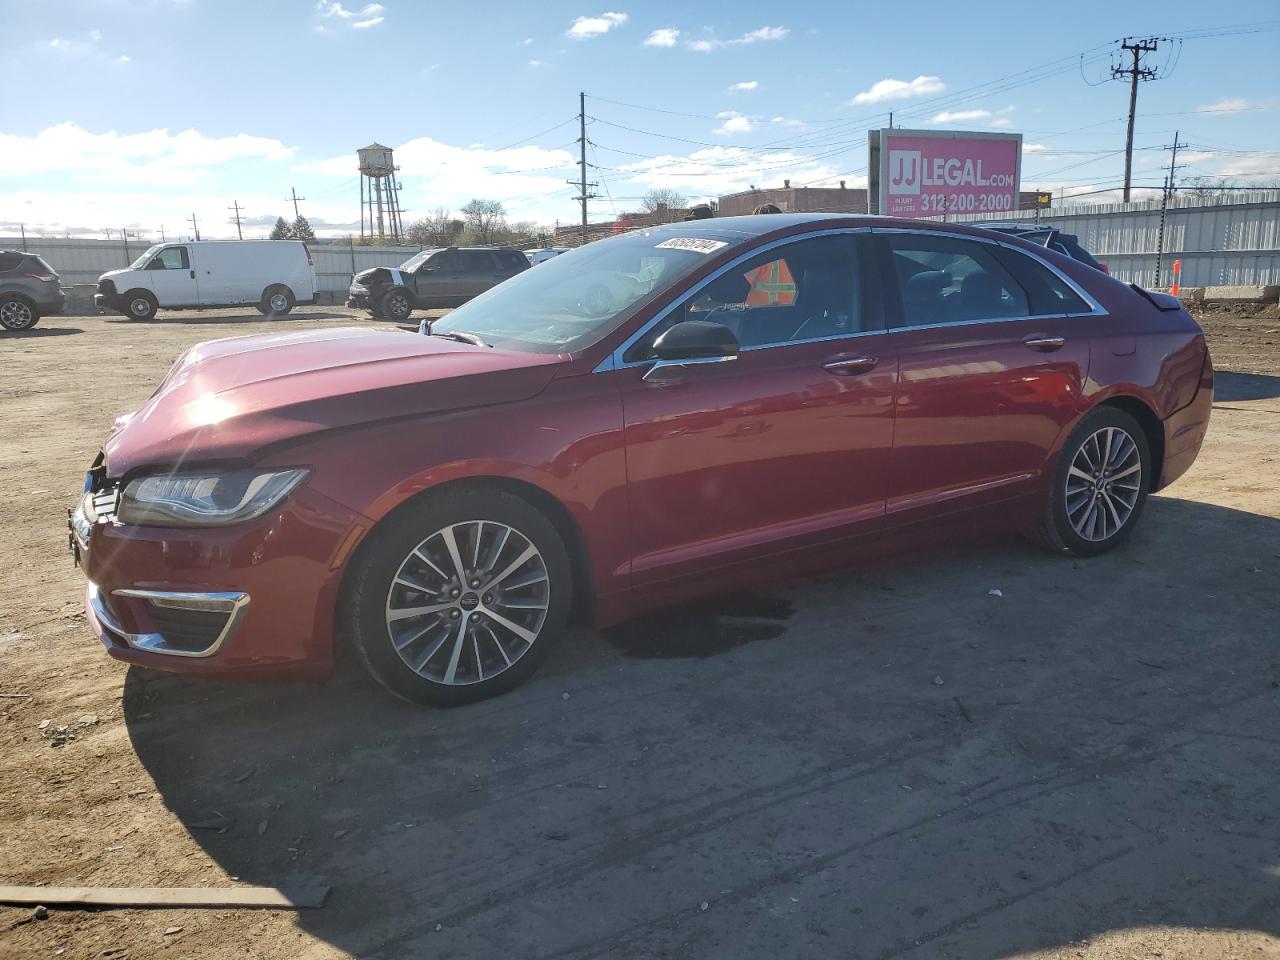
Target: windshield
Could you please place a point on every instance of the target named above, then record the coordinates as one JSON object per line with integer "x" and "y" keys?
{"x": 418, "y": 259}
{"x": 142, "y": 260}
{"x": 572, "y": 300}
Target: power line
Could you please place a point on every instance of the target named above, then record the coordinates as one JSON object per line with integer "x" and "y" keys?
{"x": 1137, "y": 72}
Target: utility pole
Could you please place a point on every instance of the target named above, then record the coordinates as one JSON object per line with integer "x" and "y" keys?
{"x": 195, "y": 226}
{"x": 1135, "y": 73}
{"x": 293, "y": 195}
{"x": 890, "y": 119}
{"x": 581, "y": 183}
{"x": 23, "y": 228}
{"x": 235, "y": 205}
{"x": 162, "y": 239}
{"x": 1169, "y": 186}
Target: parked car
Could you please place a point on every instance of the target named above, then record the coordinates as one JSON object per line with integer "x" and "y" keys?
{"x": 438, "y": 277}
{"x": 273, "y": 275}
{"x": 1051, "y": 237}
{"x": 29, "y": 289}
{"x": 544, "y": 254}
{"x": 652, "y": 418}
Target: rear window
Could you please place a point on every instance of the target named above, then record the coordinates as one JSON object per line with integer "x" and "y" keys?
{"x": 44, "y": 264}
{"x": 512, "y": 259}
{"x": 1070, "y": 245}
{"x": 1047, "y": 292}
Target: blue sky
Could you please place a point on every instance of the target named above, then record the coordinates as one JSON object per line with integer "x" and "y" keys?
{"x": 138, "y": 112}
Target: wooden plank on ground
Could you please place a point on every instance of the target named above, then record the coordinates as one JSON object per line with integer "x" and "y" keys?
{"x": 279, "y": 898}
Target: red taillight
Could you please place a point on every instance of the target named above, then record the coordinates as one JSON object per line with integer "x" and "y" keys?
{"x": 1104, "y": 268}
{"x": 46, "y": 277}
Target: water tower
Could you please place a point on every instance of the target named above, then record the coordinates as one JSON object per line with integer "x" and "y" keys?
{"x": 379, "y": 193}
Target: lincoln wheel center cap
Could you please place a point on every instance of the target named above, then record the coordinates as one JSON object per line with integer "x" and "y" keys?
{"x": 469, "y": 601}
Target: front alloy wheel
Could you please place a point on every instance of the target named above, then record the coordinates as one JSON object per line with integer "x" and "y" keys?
{"x": 458, "y": 596}
{"x": 396, "y": 306}
{"x": 468, "y": 602}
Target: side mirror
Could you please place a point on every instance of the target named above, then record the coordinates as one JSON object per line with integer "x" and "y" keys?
{"x": 696, "y": 340}
{"x": 691, "y": 343}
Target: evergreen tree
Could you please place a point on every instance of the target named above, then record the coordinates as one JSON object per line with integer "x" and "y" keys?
{"x": 301, "y": 230}
{"x": 281, "y": 230}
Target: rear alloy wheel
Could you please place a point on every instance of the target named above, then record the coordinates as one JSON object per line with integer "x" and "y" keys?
{"x": 396, "y": 306}
{"x": 276, "y": 302}
{"x": 1100, "y": 484}
{"x": 460, "y": 599}
{"x": 17, "y": 313}
{"x": 141, "y": 306}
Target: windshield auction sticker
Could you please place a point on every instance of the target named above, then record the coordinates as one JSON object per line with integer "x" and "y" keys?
{"x": 692, "y": 244}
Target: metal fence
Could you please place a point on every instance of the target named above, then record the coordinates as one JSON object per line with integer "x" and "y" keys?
{"x": 82, "y": 261}
{"x": 1220, "y": 241}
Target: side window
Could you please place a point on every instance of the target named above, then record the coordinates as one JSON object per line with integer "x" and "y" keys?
{"x": 170, "y": 258}
{"x": 805, "y": 290}
{"x": 9, "y": 261}
{"x": 446, "y": 262}
{"x": 511, "y": 261}
{"x": 949, "y": 280}
{"x": 476, "y": 261}
{"x": 1049, "y": 293}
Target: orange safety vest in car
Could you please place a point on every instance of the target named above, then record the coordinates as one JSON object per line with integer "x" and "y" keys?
{"x": 771, "y": 285}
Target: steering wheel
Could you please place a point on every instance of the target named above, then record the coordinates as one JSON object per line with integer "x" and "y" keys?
{"x": 597, "y": 301}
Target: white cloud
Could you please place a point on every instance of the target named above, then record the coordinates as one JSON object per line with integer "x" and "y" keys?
{"x": 889, "y": 89}
{"x": 535, "y": 63}
{"x": 758, "y": 35}
{"x": 154, "y": 157}
{"x": 663, "y": 37}
{"x": 959, "y": 116}
{"x": 527, "y": 41}
{"x": 734, "y": 122}
{"x": 744, "y": 85}
{"x": 714, "y": 171}
{"x": 584, "y": 28}
{"x": 370, "y": 15}
{"x": 787, "y": 122}
{"x": 1002, "y": 122}
{"x": 1034, "y": 148}
{"x": 1228, "y": 105}
{"x": 85, "y": 47}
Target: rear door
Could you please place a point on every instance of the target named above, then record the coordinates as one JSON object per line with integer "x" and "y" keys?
{"x": 172, "y": 277}
{"x": 479, "y": 272}
{"x": 991, "y": 371}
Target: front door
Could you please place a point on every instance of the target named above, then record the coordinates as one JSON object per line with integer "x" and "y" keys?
{"x": 991, "y": 373}
{"x": 479, "y": 272}
{"x": 784, "y": 447}
{"x": 172, "y": 277}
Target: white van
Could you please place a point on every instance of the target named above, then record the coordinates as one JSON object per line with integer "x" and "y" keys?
{"x": 274, "y": 275}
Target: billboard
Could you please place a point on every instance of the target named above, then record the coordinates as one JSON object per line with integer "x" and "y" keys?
{"x": 927, "y": 173}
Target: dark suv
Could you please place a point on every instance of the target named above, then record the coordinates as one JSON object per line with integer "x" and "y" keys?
{"x": 1050, "y": 237}
{"x": 439, "y": 277}
{"x": 29, "y": 288}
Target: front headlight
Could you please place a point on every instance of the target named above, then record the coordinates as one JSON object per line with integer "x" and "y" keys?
{"x": 204, "y": 500}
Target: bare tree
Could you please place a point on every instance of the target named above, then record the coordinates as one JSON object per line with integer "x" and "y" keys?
{"x": 484, "y": 219}
{"x": 437, "y": 229}
{"x": 664, "y": 205}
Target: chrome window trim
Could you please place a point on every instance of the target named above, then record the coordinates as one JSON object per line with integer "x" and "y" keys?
{"x": 231, "y": 603}
{"x": 614, "y": 360}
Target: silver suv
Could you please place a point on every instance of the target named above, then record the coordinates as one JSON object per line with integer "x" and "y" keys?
{"x": 29, "y": 289}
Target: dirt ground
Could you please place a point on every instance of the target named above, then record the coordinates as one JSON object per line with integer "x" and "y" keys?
{"x": 884, "y": 762}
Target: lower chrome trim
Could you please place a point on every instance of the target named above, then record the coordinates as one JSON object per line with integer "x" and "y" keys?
{"x": 232, "y": 603}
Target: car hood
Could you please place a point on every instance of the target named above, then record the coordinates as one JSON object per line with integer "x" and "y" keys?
{"x": 228, "y": 399}
{"x": 114, "y": 273}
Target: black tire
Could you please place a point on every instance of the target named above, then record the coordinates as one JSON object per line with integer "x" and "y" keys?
{"x": 17, "y": 312}
{"x": 1057, "y": 532}
{"x": 372, "y": 586}
{"x": 276, "y": 302}
{"x": 396, "y": 306}
{"x": 140, "y": 305}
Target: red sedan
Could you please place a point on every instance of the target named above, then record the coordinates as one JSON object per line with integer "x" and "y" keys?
{"x": 652, "y": 418}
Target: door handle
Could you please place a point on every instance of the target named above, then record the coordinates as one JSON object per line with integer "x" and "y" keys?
{"x": 850, "y": 365}
{"x": 1044, "y": 344}
{"x": 193, "y": 274}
